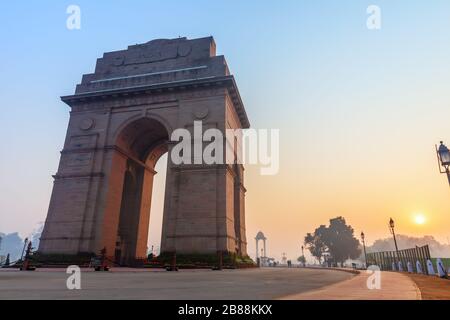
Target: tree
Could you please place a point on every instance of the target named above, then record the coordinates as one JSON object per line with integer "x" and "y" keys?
{"x": 302, "y": 260}
{"x": 337, "y": 240}
{"x": 340, "y": 240}
{"x": 315, "y": 244}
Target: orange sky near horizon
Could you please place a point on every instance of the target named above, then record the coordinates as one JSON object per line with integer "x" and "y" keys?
{"x": 308, "y": 192}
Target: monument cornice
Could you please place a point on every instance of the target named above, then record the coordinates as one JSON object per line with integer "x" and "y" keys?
{"x": 158, "y": 88}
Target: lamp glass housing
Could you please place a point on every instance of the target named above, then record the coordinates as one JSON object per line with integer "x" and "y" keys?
{"x": 444, "y": 155}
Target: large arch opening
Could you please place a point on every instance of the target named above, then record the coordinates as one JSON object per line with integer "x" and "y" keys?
{"x": 141, "y": 144}
{"x": 157, "y": 208}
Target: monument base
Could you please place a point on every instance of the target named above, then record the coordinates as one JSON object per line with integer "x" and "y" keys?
{"x": 61, "y": 260}
{"x": 185, "y": 261}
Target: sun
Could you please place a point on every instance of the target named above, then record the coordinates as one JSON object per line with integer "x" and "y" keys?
{"x": 420, "y": 219}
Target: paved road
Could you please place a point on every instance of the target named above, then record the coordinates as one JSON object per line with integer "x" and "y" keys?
{"x": 255, "y": 284}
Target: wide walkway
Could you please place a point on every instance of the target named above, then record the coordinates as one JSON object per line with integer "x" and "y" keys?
{"x": 254, "y": 284}
{"x": 392, "y": 286}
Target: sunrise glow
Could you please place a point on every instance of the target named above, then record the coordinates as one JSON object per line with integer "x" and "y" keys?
{"x": 420, "y": 219}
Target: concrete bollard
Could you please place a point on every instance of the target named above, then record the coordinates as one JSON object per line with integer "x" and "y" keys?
{"x": 419, "y": 267}
{"x": 441, "y": 269}
{"x": 430, "y": 268}
{"x": 400, "y": 266}
{"x": 410, "y": 267}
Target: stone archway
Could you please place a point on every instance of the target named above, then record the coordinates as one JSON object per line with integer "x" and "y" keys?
{"x": 142, "y": 142}
{"x": 122, "y": 117}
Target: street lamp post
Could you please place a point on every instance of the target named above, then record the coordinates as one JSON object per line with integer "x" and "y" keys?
{"x": 303, "y": 255}
{"x": 443, "y": 155}
{"x": 391, "y": 227}
{"x": 364, "y": 246}
{"x": 24, "y": 247}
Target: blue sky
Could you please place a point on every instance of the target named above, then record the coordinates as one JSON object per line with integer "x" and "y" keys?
{"x": 356, "y": 107}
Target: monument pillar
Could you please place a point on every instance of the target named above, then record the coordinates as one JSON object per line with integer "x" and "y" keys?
{"x": 265, "y": 252}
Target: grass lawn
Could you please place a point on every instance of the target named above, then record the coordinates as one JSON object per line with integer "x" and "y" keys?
{"x": 445, "y": 261}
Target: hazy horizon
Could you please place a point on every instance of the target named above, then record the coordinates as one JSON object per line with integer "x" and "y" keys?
{"x": 359, "y": 111}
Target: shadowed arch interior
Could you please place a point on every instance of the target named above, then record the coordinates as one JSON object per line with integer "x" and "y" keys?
{"x": 142, "y": 142}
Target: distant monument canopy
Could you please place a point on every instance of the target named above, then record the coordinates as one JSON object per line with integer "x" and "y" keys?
{"x": 263, "y": 254}
{"x": 122, "y": 117}
{"x": 260, "y": 236}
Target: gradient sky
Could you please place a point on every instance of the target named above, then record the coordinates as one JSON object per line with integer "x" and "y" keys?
{"x": 359, "y": 111}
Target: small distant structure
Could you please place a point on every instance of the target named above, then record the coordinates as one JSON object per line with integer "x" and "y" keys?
{"x": 262, "y": 259}
{"x": 284, "y": 259}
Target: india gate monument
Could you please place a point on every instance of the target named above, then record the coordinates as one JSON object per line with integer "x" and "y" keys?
{"x": 121, "y": 120}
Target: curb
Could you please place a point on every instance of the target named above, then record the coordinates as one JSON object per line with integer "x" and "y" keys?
{"x": 334, "y": 269}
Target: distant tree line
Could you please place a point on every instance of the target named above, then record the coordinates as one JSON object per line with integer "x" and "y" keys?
{"x": 12, "y": 243}
{"x": 437, "y": 249}
{"x": 336, "y": 243}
